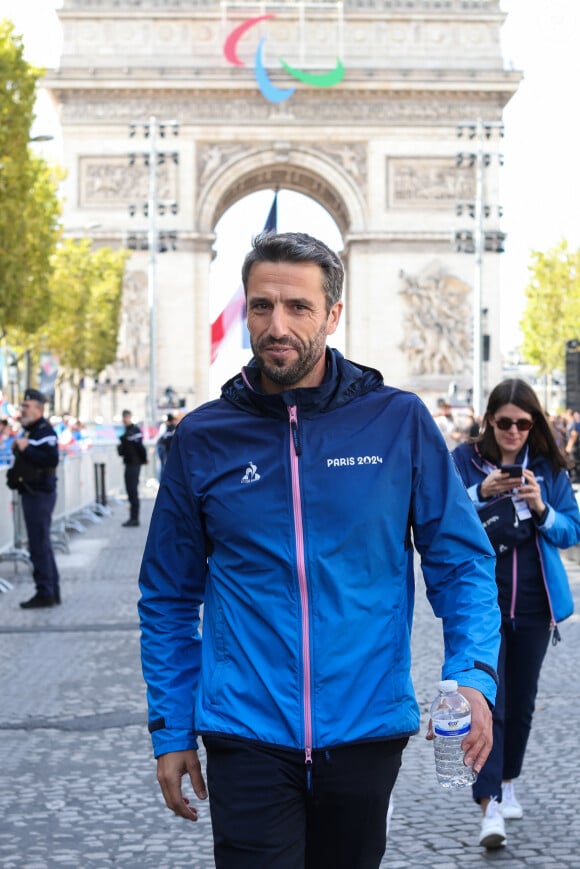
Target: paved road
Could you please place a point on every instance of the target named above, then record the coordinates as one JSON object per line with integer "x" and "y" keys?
{"x": 77, "y": 780}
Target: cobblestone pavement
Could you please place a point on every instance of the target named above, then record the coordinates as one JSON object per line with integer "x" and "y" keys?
{"x": 77, "y": 779}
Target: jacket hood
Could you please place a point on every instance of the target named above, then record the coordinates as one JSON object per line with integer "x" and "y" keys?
{"x": 342, "y": 382}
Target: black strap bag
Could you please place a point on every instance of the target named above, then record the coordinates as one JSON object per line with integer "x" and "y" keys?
{"x": 503, "y": 526}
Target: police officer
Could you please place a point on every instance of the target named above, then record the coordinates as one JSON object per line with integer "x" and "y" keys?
{"x": 133, "y": 453}
{"x": 36, "y": 457}
{"x": 164, "y": 442}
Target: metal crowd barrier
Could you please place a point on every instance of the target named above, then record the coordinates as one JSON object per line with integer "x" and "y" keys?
{"x": 88, "y": 482}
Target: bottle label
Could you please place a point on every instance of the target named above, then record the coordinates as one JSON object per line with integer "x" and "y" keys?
{"x": 452, "y": 727}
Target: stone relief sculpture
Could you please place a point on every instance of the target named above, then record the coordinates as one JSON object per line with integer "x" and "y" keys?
{"x": 111, "y": 182}
{"x": 436, "y": 322}
{"x": 414, "y": 181}
{"x": 374, "y": 5}
{"x": 213, "y": 156}
{"x": 133, "y": 350}
{"x": 352, "y": 157}
{"x": 227, "y": 107}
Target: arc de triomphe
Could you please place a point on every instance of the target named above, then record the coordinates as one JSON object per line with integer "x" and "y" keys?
{"x": 377, "y": 150}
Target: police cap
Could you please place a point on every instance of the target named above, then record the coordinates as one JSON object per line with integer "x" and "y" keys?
{"x": 34, "y": 395}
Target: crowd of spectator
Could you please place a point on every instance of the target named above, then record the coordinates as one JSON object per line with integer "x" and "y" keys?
{"x": 458, "y": 424}
{"x": 72, "y": 433}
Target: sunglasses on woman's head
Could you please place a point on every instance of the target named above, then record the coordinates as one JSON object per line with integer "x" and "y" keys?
{"x": 505, "y": 423}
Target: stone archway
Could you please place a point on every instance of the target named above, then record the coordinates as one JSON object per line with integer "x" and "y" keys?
{"x": 319, "y": 176}
{"x": 377, "y": 151}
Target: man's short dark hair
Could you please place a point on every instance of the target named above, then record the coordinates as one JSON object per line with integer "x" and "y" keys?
{"x": 297, "y": 247}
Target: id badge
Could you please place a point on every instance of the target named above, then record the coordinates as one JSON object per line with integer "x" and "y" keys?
{"x": 521, "y": 508}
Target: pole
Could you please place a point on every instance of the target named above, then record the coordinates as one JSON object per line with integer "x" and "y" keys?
{"x": 152, "y": 210}
{"x": 28, "y": 369}
{"x": 478, "y": 276}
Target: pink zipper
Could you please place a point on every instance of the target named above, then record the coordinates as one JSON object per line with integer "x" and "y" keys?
{"x": 299, "y": 533}
{"x": 552, "y": 618}
{"x": 514, "y": 584}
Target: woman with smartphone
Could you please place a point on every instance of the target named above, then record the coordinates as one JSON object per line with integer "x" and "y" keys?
{"x": 516, "y": 477}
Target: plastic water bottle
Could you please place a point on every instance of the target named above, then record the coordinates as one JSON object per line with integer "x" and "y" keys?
{"x": 451, "y": 716}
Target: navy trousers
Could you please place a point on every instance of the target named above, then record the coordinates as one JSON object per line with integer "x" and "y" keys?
{"x": 270, "y": 810}
{"x": 37, "y": 508}
{"x": 521, "y": 655}
{"x": 132, "y": 485}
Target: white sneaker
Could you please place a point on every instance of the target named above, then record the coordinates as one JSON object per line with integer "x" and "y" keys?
{"x": 510, "y": 808}
{"x": 492, "y": 827}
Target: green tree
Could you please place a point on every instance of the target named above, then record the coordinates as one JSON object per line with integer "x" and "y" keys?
{"x": 86, "y": 289}
{"x": 29, "y": 216}
{"x": 552, "y": 311}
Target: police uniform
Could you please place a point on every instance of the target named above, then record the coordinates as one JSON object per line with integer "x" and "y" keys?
{"x": 164, "y": 442}
{"x": 133, "y": 453}
{"x": 35, "y": 469}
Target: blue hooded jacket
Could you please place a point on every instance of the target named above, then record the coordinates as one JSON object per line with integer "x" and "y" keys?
{"x": 291, "y": 517}
{"x": 559, "y": 530}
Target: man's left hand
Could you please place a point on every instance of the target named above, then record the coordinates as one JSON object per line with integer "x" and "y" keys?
{"x": 478, "y": 742}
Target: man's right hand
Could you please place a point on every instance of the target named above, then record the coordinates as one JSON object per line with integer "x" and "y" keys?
{"x": 171, "y": 768}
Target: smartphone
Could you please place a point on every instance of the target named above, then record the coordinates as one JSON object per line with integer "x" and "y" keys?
{"x": 512, "y": 470}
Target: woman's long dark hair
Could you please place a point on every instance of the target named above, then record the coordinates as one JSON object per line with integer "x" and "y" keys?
{"x": 541, "y": 440}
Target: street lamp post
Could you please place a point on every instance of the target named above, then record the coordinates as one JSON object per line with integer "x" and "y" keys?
{"x": 152, "y": 129}
{"x": 478, "y": 241}
{"x": 152, "y": 270}
{"x": 478, "y": 276}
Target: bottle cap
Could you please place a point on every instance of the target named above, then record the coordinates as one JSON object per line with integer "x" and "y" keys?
{"x": 447, "y": 685}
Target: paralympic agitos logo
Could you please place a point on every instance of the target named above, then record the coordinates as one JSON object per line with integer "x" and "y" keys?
{"x": 268, "y": 89}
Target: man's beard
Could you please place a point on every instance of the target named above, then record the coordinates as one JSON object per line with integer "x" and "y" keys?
{"x": 308, "y": 355}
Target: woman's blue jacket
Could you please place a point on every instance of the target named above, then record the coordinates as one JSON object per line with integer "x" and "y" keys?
{"x": 560, "y": 529}
{"x": 291, "y": 518}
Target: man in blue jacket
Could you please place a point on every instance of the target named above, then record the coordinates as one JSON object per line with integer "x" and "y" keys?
{"x": 290, "y": 508}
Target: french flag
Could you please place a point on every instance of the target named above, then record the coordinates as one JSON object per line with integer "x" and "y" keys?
{"x": 235, "y": 310}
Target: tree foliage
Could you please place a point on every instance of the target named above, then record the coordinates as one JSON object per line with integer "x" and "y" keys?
{"x": 86, "y": 291}
{"x": 552, "y": 311}
{"x": 30, "y": 209}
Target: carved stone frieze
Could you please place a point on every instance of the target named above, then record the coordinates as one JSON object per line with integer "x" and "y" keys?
{"x": 231, "y": 108}
{"x": 112, "y": 182}
{"x": 436, "y": 322}
{"x": 351, "y": 157}
{"x": 392, "y": 43}
{"x": 214, "y": 155}
{"x": 417, "y": 181}
{"x": 433, "y": 6}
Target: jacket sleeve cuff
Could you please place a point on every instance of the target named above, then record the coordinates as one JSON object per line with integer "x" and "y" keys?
{"x": 547, "y": 519}
{"x": 475, "y": 496}
{"x": 166, "y": 740}
{"x": 483, "y": 680}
